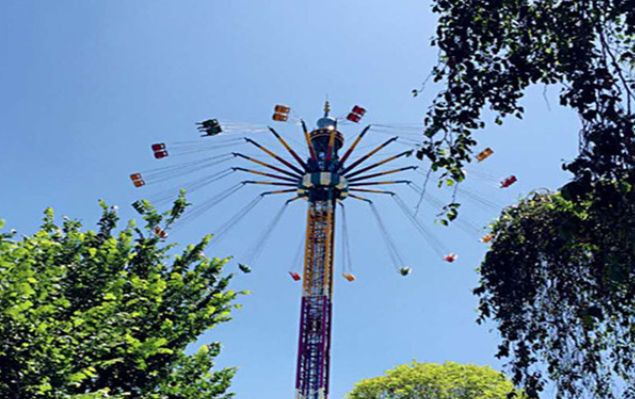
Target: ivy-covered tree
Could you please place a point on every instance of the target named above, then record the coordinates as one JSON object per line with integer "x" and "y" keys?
{"x": 436, "y": 381}
{"x": 106, "y": 313}
{"x": 559, "y": 281}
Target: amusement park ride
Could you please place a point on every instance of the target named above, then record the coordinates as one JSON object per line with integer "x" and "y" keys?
{"x": 325, "y": 180}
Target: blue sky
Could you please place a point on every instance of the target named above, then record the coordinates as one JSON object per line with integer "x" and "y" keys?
{"x": 86, "y": 86}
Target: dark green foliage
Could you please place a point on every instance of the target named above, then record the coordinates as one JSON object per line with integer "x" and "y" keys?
{"x": 109, "y": 314}
{"x": 492, "y": 50}
{"x": 559, "y": 278}
{"x": 559, "y": 281}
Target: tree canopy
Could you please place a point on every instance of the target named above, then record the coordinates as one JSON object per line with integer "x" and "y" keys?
{"x": 559, "y": 281}
{"x": 92, "y": 314}
{"x": 492, "y": 50}
{"x": 435, "y": 381}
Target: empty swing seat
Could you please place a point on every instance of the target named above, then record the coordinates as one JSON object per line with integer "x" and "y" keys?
{"x": 160, "y": 154}
{"x": 160, "y": 232}
{"x": 158, "y": 147}
{"x": 349, "y": 277}
{"x": 508, "y": 181}
{"x": 356, "y": 114}
{"x": 450, "y": 258}
{"x": 281, "y": 113}
{"x": 483, "y": 155}
{"x": 137, "y": 180}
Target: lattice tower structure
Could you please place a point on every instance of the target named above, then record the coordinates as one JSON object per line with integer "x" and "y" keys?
{"x": 323, "y": 186}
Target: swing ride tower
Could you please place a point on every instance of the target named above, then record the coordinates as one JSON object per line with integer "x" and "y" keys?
{"x": 324, "y": 180}
{"x": 323, "y": 187}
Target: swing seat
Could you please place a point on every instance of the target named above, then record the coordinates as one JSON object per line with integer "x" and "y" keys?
{"x": 160, "y": 154}
{"x": 281, "y": 109}
{"x": 487, "y": 238}
{"x": 279, "y": 117}
{"x": 137, "y": 180}
{"x": 356, "y": 114}
{"x": 483, "y": 155}
{"x": 210, "y": 127}
{"x": 281, "y": 113}
{"x": 450, "y": 258}
{"x": 160, "y": 232}
{"x": 508, "y": 181}
{"x": 138, "y": 206}
{"x": 349, "y": 277}
{"x": 244, "y": 268}
{"x": 404, "y": 271}
{"x": 361, "y": 111}
{"x": 295, "y": 276}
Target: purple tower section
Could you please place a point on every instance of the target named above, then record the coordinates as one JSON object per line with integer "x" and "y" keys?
{"x": 312, "y": 379}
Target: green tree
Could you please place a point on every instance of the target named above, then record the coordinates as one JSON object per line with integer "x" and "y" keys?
{"x": 95, "y": 314}
{"x": 559, "y": 281}
{"x": 436, "y": 381}
{"x": 492, "y": 50}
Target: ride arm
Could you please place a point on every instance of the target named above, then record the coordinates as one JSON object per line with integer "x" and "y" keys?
{"x": 257, "y": 172}
{"x": 276, "y": 192}
{"x": 352, "y": 147}
{"x": 380, "y": 183}
{"x": 309, "y": 143}
{"x": 266, "y": 165}
{"x": 368, "y": 155}
{"x": 269, "y": 183}
{"x": 385, "y": 161}
{"x": 388, "y": 172}
{"x": 360, "y": 198}
{"x": 288, "y": 148}
{"x": 274, "y": 156}
{"x": 370, "y": 191}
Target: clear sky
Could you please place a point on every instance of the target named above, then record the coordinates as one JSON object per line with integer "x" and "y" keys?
{"x": 86, "y": 86}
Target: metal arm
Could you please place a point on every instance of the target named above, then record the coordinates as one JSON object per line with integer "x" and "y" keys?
{"x": 288, "y": 148}
{"x": 373, "y": 166}
{"x": 368, "y": 190}
{"x": 266, "y": 165}
{"x": 257, "y": 172}
{"x": 379, "y": 183}
{"x": 309, "y": 143}
{"x": 368, "y": 155}
{"x": 388, "y": 172}
{"x": 274, "y": 156}
{"x": 359, "y": 198}
{"x": 352, "y": 147}
{"x": 291, "y": 190}
{"x": 269, "y": 183}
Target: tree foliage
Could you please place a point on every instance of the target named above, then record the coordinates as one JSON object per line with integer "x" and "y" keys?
{"x": 559, "y": 281}
{"x": 492, "y": 50}
{"x": 95, "y": 314}
{"x": 436, "y": 381}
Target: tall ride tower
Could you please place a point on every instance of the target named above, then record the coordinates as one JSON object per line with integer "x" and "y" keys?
{"x": 323, "y": 186}
{"x": 324, "y": 180}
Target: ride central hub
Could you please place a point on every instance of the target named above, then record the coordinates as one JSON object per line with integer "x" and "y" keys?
{"x": 319, "y": 186}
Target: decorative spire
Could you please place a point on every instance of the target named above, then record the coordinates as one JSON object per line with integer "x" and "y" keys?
{"x": 327, "y": 108}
